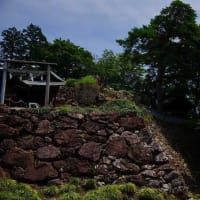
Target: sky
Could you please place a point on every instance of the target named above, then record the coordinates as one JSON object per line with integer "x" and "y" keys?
{"x": 94, "y": 25}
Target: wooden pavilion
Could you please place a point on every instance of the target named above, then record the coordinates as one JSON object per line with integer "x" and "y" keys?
{"x": 28, "y": 80}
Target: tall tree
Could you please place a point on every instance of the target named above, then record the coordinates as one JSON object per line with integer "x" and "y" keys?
{"x": 73, "y": 61}
{"x": 108, "y": 68}
{"x": 12, "y": 44}
{"x": 131, "y": 75}
{"x": 167, "y": 46}
{"x": 35, "y": 42}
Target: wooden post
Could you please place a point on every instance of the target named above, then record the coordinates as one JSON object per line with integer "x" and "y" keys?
{"x": 4, "y": 79}
{"x": 47, "y": 91}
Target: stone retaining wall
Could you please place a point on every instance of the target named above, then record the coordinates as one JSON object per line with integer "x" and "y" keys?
{"x": 113, "y": 148}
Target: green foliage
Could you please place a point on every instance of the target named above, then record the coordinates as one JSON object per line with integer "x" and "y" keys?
{"x": 75, "y": 181}
{"x": 35, "y": 42}
{"x": 31, "y": 44}
{"x": 73, "y": 61}
{"x": 77, "y": 109}
{"x": 50, "y": 191}
{"x": 168, "y": 47}
{"x": 114, "y": 105}
{"x": 107, "y": 68}
{"x": 12, "y": 44}
{"x": 119, "y": 105}
{"x": 128, "y": 188}
{"x": 71, "y": 82}
{"x": 70, "y": 196}
{"x": 149, "y": 194}
{"x": 11, "y": 190}
{"x": 90, "y": 184}
{"x": 108, "y": 192}
{"x": 68, "y": 187}
{"x": 194, "y": 195}
{"x": 87, "y": 79}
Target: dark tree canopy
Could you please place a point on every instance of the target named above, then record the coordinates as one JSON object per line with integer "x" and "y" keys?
{"x": 73, "y": 61}
{"x": 31, "y": 44}
{"x": 168, "y": 47}
{"x": 35, "y": 42}
{"x": 12, "y": 45}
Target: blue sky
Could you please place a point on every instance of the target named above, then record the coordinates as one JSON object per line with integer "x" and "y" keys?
{"x": 92, "y": 24}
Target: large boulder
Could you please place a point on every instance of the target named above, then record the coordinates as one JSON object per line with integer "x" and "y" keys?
{"x": 116, "y": 146}
{"x": 91, "y": 150}
{"x": 49, "y": 152}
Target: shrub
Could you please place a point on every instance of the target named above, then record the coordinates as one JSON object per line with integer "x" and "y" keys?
{"x": 71, "y": 82}
{"x": 90, "y": 184}
{"x": 68, "y": 188}
{"x": 87, "y": 79}
{"x": 51, "y": 191}
{"x": 128, "y": 189}
{"x": 70, "y": 196}
{"x": 74, "y": 181}
{"x": 108, "y": 192}
{"x": 5, "y": 195}
{"x": 149, "y": 194}
{"x": 11, "y": 190}
{"x": 120, "y": 105}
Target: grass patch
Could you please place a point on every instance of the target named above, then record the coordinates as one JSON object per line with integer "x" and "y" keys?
{"x": 128, "y": 189}
{"x": 50, "y": 191}
{"x": 114, "y": 105}
{"x": 12, "y": 190}
{"x": 70, "y": 196}
{"x": 147, "y": 193}
{"x": 90, "y": 184}
{"x": 76, "y": 190}
{"x": 107, "y": 192}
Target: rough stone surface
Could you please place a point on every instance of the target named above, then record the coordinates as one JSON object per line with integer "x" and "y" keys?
{"x": 48, "y": 152}
{"x": 42, "y": 172}
{"x": 70, "y": 137}
{"x": 91, "y": 150}
{"x": 44, "y": 128}
{"x": 114, "y": 148}
{"x": 2, "y": 173}
{"x": 6, "y": 130}
{"x": 18, "y": 157}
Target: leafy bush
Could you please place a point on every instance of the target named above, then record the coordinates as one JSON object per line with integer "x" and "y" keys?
{"x": 108, "y": 192}
{"x": 120, "y": 105}
{"x": 90, "y": 184}
{"x": 71, "y": 82}
{"x": 149, "y": 194}
{"x": 11, "y": 190}
{"x": 70, "y": 196}
{"x": 75, "y": 181}
{"x": 68, "y": 188}
{"x": 128, "y": 189}
{"x": 51, "y": 191}
{"x": 87, "y": 79}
